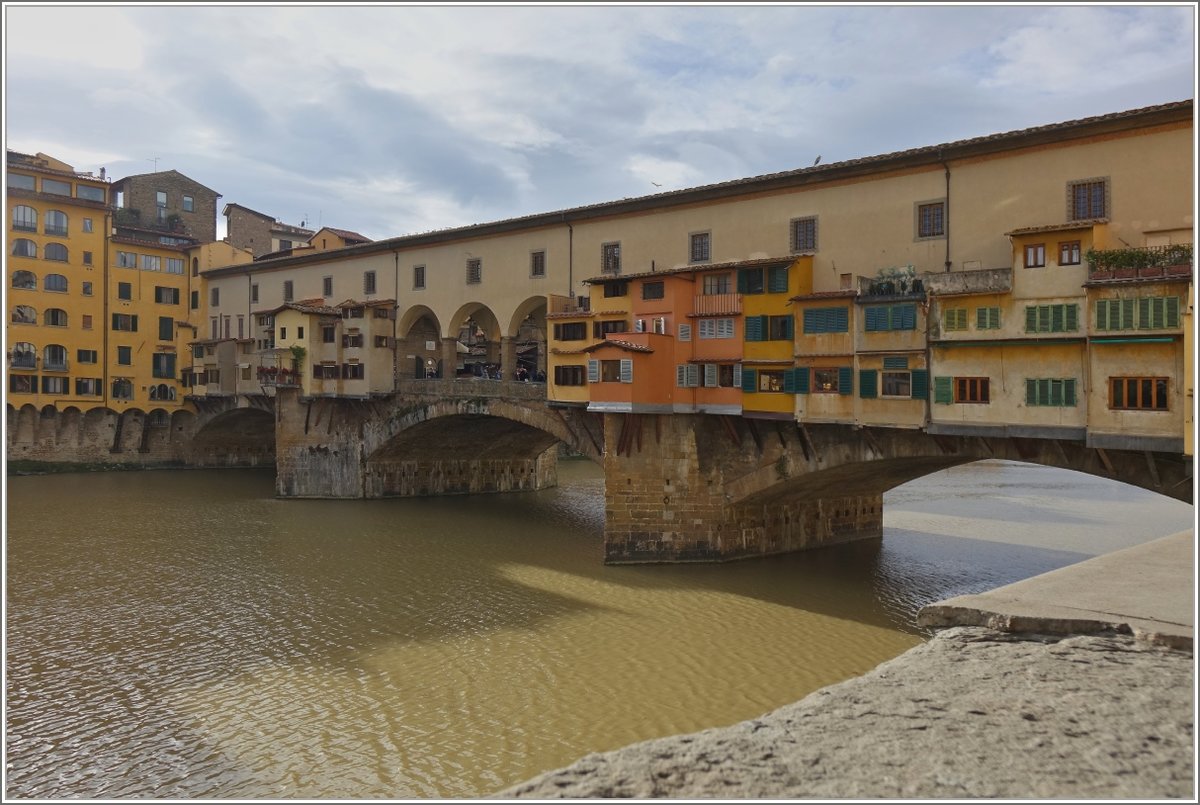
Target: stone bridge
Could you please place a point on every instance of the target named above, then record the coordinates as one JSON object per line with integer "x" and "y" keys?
{"x": 682, "y": 487}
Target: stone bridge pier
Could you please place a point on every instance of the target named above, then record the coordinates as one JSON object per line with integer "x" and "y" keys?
{"x": 684, "y": 488}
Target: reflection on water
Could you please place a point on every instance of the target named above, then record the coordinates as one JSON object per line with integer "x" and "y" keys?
{"x": 186, "y": 635}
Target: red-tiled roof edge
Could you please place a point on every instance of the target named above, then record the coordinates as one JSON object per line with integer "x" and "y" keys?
{"x": 755, "y": 263}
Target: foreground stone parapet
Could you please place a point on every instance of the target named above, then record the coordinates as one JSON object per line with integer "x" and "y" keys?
{"x": 971, "y": 713}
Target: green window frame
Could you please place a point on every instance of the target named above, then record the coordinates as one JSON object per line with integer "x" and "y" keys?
{"x": 819, "y": 320}
{"x": 1060, "y": 318}
{"x": 955, "y": 318}
{"x": 987, "y": 318}
{"x": 868, "y": 383}
{"x": 1158, "y": 312}
{"x": 1053, "y": 392}
{"x": 777, "y": 279}
{"x": 880, "y": 318}
{"x": 756, "y": 328}
{"x": 750, "y": 281}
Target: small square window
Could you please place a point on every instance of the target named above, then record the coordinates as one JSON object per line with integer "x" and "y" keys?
{"x": 189, "y": 205}
{"x": 1068, "y": 253}
{"x": 804, "y": 234}
{"x": 701, "y": 247}
{"x": 1035, "y": 255}
{"x": 1087, "y": 199}
{"x": 931, "y": 219}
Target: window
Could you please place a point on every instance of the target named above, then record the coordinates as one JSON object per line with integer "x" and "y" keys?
{"x": 804, "y": 234}
{"x": 777, "y": 279}
{"x": 368, "y": 283}
{"x": 166, "y": 328}
{"x": 826, "y": 320}
{"x": 896, "y": 384}
{"x": 1138, "y": 393}
{"x": 418, "y": 277}
{"x": 687, "y": 375}
{"x": 327, "y": 286}
{"x": 955, "y": 318}
{"x": 189, "y": 204}
{"x": 24, "y": 247}
{"x": 214, "y": 297}
{"x": 54, "y": 317}
{"x": 1035, "y": 255}
{"x": 126, "y": 260}
{"x": 750, "y": 281}
{"x": 22, "y": 384}
{"x": 125, "y": 356}
{"x": 1087, "y": 199}
{"x": 122, "y": 389}
{"x": 971, "y": 390}
{"x": 87, "y": 288}
{"x": 86, "y": 356}
{"x": 1157, "y": 312}
{"x": 87, "y": 223}
{"x": 931, "y": 220}
{"x": 878, "y": 318}
{"x": 87, "y": 258}
{"x": 348, "y": 340}
{"x": 167, "y": 296}
{"x": 24, "y": 314}
{"x": 87, "y": 387}
{"x": 610, "y": 371}
{"x": 715, "y": 284}
{"x": 56, "y": 222}
{"x": 174, "y": 265}
{"x": 55, "y": 282}
{"x": 987, "y": 318}
{"x": 124, "y": 322}
{"x": 569, "y": 375}
{"x": 56, "y": 252}
{"x": 615, "y": 289}
{"x": 1068, "y": 253}
{"x": 826, "y": 381}
{"x": 602, "y": 328}
{"x": 160, "y": 198}
{"x": 610, "y": 258}
{"x": 780, "y": 328}
{"x": 700, "y": 250}
{"x": 20, "y": 181}
{"x": 474, "y": 271}
{"x": 56, "y": 188}
{"x": 26, "y": 280}
{"x": 164, "y": 392}
{"x": 195, "y": 266}
{"x": 195, "y": 300}
{"x": 124, "y": 290}
{"x": 24, "y": 355}
{"x": 325, "y": 371}
{"x": 287, "y": 290}
{"x": 1058, "y": 393}
{"x": 1051, "y": 318}
{"x": 328, "y": 334}
{"x": 55, "y": 385}
{"x": 570, "y": 331}
{"x": 771, "y": 380}
{"x": 163, "y": 364}
{"x": 24, "y": 219}
{"x": 242, "y": 331}
{"x": 89, "y": 193}
{"x": 254, "y": 292}
{"x": 151, "y": 262}
{"x": 653, "y": 290}
{"x": 300, "y": 333}
{"x": 716, "y": 328}
{"x": 282, "y": 333}
{"x": 537, "y": 264}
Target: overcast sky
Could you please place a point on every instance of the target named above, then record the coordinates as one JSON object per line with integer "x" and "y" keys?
{"x": 390, "y": 120}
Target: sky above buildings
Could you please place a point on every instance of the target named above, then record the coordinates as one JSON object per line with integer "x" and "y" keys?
{"x": 390, "y": 120}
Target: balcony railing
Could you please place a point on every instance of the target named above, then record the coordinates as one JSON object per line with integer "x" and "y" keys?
{"x": 717, "y": 304}
{"x": 24, "y": 362}
{"x": 1140, "y": 261}
{"x": 55, "y": 366}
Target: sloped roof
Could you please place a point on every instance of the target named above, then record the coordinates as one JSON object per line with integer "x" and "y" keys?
{"x": 755, "y": 263}
{"x": 124, "y": 179}
{"x": 613, "y": 342}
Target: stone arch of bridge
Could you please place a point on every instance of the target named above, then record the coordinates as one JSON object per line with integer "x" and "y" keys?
{"x": 253, "y": 428}
{"x": 418, "y": 320}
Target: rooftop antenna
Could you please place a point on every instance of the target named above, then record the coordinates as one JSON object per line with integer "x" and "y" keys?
{"x": 155, "y": 161}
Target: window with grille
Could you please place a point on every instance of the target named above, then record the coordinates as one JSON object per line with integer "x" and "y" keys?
{"x": 610, "y": 258}
{"x": 327, "y": 286}
{"x": 1087, "y": 199}
{"x": 24, "y": 219}
{"x": 287, "y": 290}
{"x": 537, "y": 264}
{"x": 1138, "y": 393}
{"x": 418, "y": 277}
{"x": 55, "y": 223}
{"x": 931, "y": 220}
{"x": 368, "y": 283}
{"x": 700, "y": 251}
{"x": 804, "y": 234}
{"x": 474, "y": 271}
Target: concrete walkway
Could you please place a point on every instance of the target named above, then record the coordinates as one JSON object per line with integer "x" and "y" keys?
{"x": 1077, "y": 684}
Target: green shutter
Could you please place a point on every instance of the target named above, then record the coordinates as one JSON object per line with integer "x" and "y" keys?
{"x": 907, "y": 317}
{"x": 802, "y": 379}
{"x": 1125, "y": 319}
{"x": 1031, "y": 319}
{"x": 749, "y": 380}
{"x": 755, "y": 326}
{"x": 170, "y": 367}
{"x": 814, "y": 321}
{"x": 1102, "y": 314}
{"x": 1171, "y": 311}
{"x": 133, "y": 326}
{"x": 789, "y": 381}
{"x": 1072, "y": 317}
{"x": 871, "y": 319}
{"x": 777, "y": 280}
{"x": 897, "y": 364}
{"x": 943, "y": 391}
{"x": 867, "y": 383}
{"x": 841, "y": 320}
{"x": 1030, "y": 391}
{"x": 114, "y": 320}
{"x": 1143, "y": 305}
{"x": 789, "y": 327}
{"x": 920, "y": 384}
{"x": 845, "y": 380}
{"x": 1069, "y": 392}
{"x": 166, "y": 328}
{"x": 1057, "y": 318}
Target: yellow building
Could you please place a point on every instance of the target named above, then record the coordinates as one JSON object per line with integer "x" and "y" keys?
{"x": 56, "y": 329}
{"x": 769, "y": 374}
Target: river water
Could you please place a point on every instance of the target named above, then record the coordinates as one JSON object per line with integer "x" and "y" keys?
{"x": 186, "y": 635}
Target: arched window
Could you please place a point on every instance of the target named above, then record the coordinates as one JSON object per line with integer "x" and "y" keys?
{"x": 24, "y": 314}
{"x": 54, "y": 358}
{"x": 54, "y": 282}
{"x": 24, "y": 355}
{"x": 122, "y": 389}
{"x": 24, "y": 279}
{"x": 56, "y": 222}
{"x": 55, "y": 317}
{"x": 162, "y": 392}
{"x": 24, "y": 218}
{"x": 56, "y": 251}
{"x": 24, "y": 247}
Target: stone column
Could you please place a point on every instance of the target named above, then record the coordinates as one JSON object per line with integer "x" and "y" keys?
{"x": 449, "y": 359}
{"x": 508, "y": 358}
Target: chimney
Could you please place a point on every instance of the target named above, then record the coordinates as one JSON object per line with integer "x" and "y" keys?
{"x": 102, "y": 173}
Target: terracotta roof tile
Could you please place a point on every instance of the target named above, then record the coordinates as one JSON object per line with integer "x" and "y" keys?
{"x": 762, "y": 261}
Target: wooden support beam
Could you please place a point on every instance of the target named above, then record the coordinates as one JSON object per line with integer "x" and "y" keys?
{"x": 307, "y": 414}
{"x": 754, "y": 434}
{"x": 1153, "y": 469}
{"x": 1062, "y": 452}
{"x": 731, "y": 429}
{"x": 874, "y": 445}
{"x": 944, "y": 445}
{"x": 1022, "y": 448}
{"x": 806, "y": 444}
{"x": 991, "y": 451}
{"x": 637, "y": 430}
{"x": 1105, "y": 461}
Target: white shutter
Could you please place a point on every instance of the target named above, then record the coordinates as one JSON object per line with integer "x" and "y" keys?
{"x": 685, "y": 332}
{"x": 724, "y": 328}
{"x": 681, "y": 375}
{"x": 710, "y": 375}
{"x": 626, "y": 370}
{"x": 639, "y": 325}
{"x": 737, "y": 375}
{"x": 693, "y": 375}
{"x": 660, "y": 325}
{"x": 593, "y": 371}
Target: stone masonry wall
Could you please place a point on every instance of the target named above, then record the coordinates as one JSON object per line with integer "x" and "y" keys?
{"x": 141, "y": 194}
{"x": 247, "y": 230}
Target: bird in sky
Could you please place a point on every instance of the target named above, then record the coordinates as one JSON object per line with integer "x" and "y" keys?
{"x": 656, "y": 184}
{"x": 817, "y": 160}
